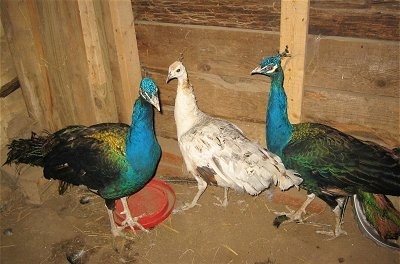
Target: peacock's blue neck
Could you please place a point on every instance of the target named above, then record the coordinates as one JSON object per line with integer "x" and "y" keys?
{"x": 278, "y": 127}
{"x": 141, "y": 140}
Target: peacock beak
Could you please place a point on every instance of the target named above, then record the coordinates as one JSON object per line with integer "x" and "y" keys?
{"x": 156, "y": 102}
{"x": 256, "y": 70}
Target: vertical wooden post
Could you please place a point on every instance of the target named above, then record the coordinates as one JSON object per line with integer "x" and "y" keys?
{"x": 77, "y": 60}
{"x": 19, "y": 23}
{"x": 294, "y": 30}
{"x": 123, "y": 53}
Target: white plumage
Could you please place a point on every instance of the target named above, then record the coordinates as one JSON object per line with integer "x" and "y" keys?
{"x": 216, "y": 151}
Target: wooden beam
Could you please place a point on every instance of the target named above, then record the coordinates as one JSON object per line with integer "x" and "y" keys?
{"x": 77, "y": 60}
{"x": 19, "y": 22}
{"x": 124, "y": 55}
{"x": 294, "y": 30}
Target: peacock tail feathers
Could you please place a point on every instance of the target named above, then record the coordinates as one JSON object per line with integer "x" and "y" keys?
{"x": 333, "y": 164}
{"x": 381, "y": 214}
{"x": 28, "y": 151}
{"x": 33, "y": 150}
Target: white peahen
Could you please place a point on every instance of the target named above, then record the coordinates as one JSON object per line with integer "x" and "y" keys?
{"x": 217, "y": 152}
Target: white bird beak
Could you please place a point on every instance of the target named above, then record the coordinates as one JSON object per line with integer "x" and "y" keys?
{"x": 156, "y": 102}
{"x": 256, "y": 70}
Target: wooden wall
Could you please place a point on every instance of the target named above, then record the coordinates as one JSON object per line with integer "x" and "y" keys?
{"x": 77, "y": 62}
{"x": 352, "y": 61}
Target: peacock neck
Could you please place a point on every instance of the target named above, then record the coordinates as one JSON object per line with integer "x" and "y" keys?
{"x": 186, "y": 111}
{"x": 278, "y": 126}
{"x": 141, "y": 134}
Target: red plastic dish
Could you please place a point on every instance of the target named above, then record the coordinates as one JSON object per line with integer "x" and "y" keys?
{"x": 155, "y": 202}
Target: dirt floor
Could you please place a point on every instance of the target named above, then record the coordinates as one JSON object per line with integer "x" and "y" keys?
{"x": 62, "y": 228}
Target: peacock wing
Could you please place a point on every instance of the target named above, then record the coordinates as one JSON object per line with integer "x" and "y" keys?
{"x": 93, "y": 156}
{"x": 339, "y": 163}
{"x": 219, "y": 151}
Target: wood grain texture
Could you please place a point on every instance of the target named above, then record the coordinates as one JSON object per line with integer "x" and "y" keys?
{"x": 356, "y": 65}
{"x": 77, "y": 61}
{"x": 24, "y": 45}
{"x": 354, "y": 18}
{"x": 356, "y": 91}
{"x": 293, "y": 33}
{"x": 123, "y": 55}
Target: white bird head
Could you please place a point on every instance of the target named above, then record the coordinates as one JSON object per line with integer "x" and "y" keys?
{"x": 176, "y": 70}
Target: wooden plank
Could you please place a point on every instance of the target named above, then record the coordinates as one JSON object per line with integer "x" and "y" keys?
{"x": 225, "y": 97}
{"x": 7, "y": 67}
{"x": 359, "y": 19}
{"x": 374, "y": 118}
{"x": 211, "y": 50}
{"x": 65, "y": 73}
{"x": 165, "y": 126}
{"x": 9, "y": 87}
{"x": 353, "y": 18}
{"x": 96, "y": 73}
{"x": 263, "y": 15}
{"x": 124, "y": 55}
{"x": 364, "y": 66}
{"x": 294, "y": 30}
{"x": 26, "y": 52}
{"x": 223, "y": 86}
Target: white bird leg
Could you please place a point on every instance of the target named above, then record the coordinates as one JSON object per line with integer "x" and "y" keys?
{"x": 297, "y": 215}
{"x": 115, "y": 230}
{"x": 202, "y": 186}
{"x": 338, "y": 212}
{"x": 223, "y": 203}
{"x": 129, "y": 220}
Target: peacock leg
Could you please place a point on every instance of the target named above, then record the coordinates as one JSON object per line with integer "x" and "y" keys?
{"x": 297, "y": 215}
{"x": 129, "y": 220}
{"x": 338, "y": 211}
{"x": 115, "y": 230}
{"x": 223, "y": 203}
{"x": 202, "y": 186}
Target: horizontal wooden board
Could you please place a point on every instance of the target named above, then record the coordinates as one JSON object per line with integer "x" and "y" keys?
{"x": 368, "y": 117}
{"x": 356, "y": 65}
{"x": 351, "y": 84}
{"x": 355, "y": 18}
{"x": 213, "y": 50}
{"x": 165, "y": 126}
{"x": 220, "y": 97}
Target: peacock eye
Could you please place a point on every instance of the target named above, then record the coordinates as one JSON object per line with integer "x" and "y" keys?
{"x": 178, "y": 70}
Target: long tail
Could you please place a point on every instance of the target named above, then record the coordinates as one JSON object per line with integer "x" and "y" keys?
{"x": 377, "y": 218}
{"x": 28, "y": 151}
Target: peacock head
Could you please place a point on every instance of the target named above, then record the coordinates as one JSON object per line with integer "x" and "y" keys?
{"x": 271, "y": 66}
{"x": 176, "y": 70}
{"x": 149, "y": 91}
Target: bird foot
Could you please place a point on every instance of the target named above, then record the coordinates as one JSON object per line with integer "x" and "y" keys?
{"x": 184, "y": 207}
{"x": 333, "y": 233}
{"x": 221, "y": 203}
{"x": 292, "y": 215}
{"x": 132, "y": 222}
{"x": 118, "y": 232}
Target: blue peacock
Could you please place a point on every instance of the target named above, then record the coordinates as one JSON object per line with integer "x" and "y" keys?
{"x": 334, "y": 165}
{"x": 112, "y": 159}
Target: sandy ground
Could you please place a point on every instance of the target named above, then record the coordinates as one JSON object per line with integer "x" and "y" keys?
{"x": 63, "y": 228}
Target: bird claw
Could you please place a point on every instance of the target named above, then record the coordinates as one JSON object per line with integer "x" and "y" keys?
{"x": 333, "y": 233}
{"x": 294, "y": 216}
{"x": 291, "y": 212}
{"x": 184, "y": 207}
{"x": 118, "y": 232}
{"x": 222, "y": 203}
{"x": 132, "y": 222}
